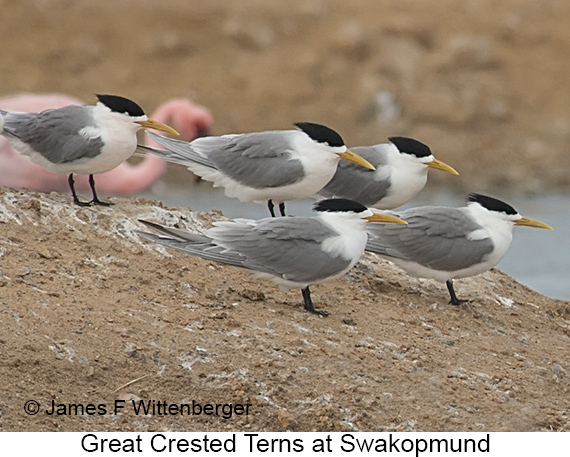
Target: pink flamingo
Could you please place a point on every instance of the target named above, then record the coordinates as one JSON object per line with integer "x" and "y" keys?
{"x": 18, "y": 171}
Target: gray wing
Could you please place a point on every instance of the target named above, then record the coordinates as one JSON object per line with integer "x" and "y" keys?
{"x": 204, "y": 250}
{"x": 435, "y": 237}
{"x": 55, "y": 134}
{"x": 357, "y": 183}
{"x": 285, "y": 247}
{"x": 258, "y": 160}
{"x": 180, "y": 235}
{"x": 191, "y": 243}
{"x": 177, "y": 151}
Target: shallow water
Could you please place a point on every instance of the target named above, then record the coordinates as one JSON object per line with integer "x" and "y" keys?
{"x": 539, "y": 259}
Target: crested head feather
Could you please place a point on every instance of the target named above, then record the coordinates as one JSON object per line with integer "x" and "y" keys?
{"x": 410, "y": 146}
{"x": 121, "y": 105}
{"x": 321, "y": 134}
{"x": 339, "y": 205}
{"x": 492, "y": 204}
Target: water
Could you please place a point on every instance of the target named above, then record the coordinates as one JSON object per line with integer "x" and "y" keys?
{"x": 539, "y": 259}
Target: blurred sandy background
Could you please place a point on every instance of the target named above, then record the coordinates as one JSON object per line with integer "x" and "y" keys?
{"x": 483, "y": 82}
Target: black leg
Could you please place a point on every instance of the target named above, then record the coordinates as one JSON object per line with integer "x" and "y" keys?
{"x": 454, "y": 300}
{"x": 95, "y": 199}
{"x": 72, "y": 187}
{"x": 282, "y": 208}
{"x": 270, "y": 205}
{"x": 309, "y": 303}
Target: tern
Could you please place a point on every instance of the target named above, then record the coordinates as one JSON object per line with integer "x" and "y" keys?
{"x": 293, "y": 252}
{"x": 444, "y": 243}
{"x": 88, "y": 139}
{"x": 401, "y": 172}
{"x": 273, "y": 166}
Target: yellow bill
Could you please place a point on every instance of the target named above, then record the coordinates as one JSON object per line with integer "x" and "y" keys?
{"x": 351, "y": 156}
{"x": 381, "y": 217}
{"x": 155, "y": 125}
{"x": 532, "y": 223}
{"x": 439, "y": 165}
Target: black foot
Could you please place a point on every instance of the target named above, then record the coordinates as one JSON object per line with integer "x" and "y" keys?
{"x": 282, "y": 209}
{"x": 454, "y": 300}
{"x": 74, "y": 194}
{"x": 80, "y": 203}
{"x": 319, "y": 313}
{"x": 100, "y": 203}
{"x": 95, "y": 200}
{"x": 308, "y": 303}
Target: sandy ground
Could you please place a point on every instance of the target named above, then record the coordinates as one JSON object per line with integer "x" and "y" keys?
{"x": 91, "y": 314}
{"x": 86, "y": 307}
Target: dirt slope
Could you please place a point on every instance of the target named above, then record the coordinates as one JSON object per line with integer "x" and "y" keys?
{"x": 87, "y": 307}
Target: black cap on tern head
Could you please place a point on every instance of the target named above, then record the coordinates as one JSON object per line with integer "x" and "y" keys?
{"x": 410, "y": 146}
{"x": 321, "y": 134}
{"x": 121, "y": 105}
{"x": 339, "y": 205}
{"x": 492, "y": 204}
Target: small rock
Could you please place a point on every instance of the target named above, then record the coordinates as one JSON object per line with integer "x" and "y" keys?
{"x": 349, "y": 321}
{"x": 253, "y": 295}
